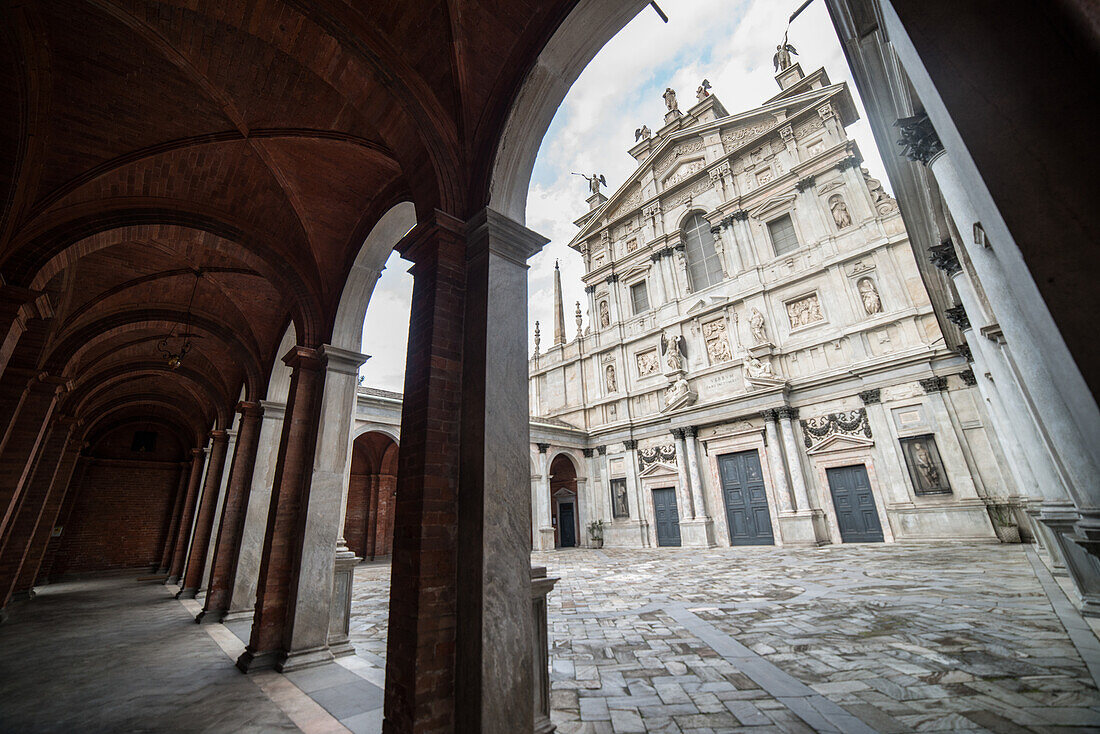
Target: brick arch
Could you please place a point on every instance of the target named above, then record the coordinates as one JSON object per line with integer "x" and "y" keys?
{"x": 197, "y": 430}
{"x": 186, "y": 439}
{"x": 372, "y": 483}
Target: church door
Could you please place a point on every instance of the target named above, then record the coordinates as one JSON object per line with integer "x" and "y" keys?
{"x": 855, "y": 505}
{"x": 668, "y": 518}
{"x": 747, "y": 512}
{"x": 567, "y": 525}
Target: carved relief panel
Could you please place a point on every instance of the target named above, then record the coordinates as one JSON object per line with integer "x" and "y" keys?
{"x": 648, "y": 363}
{"x": 804, "y": 311}
{"x": 718, "y": 346}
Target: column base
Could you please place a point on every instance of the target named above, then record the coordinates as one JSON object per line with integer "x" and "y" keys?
{"x": 697, "y": 533}
{"x": 340, "y": 608}
{"x": 250, "y": 662}
{"x": 544, "y": 541}
{"x": 172, "y": 580}
{"x": 800, "y": 529}
{"x": 1083, "y": 568}
{"x": 543, "y": 725}
{"x": 189, "y": 593}
{"x": 341, "y": 649}
{"x": 210, "y": 617}
{"x": 25, "y": 595}
{"x": 237, "y": 615}
{"x": 301, "y": 659}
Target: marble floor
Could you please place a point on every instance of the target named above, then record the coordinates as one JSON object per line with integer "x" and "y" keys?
{"x": 871, "y": 638}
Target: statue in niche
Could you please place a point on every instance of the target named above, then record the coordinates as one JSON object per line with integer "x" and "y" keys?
{"x": 605, "y": 314}
{"x": 675, "y": 351}
{"x": 670, "y": 100}
{"x": 609, "y": 378}
{"x": 757, "y": 327}
{"x": 782, "y": 58}
{"x": 841, "y": 217}
{"x": 621, "y": 509}
{"x": 872, "y": 304}
{"x": 926, "y": 467}
{"x": 757, "y": 369}
{"x": 681, "y": 262}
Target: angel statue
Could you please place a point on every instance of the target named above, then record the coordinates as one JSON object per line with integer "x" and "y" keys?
{"x": 642, "y": 132}
{"x": 595, "y": 181}
{"x": 670, "y": 100}
{"x": 782, "y": 57}
{"x": 674, "y": 350}
{"x": 703, "y": 91}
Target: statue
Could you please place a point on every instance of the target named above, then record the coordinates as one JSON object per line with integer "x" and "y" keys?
{"x": 670, "y": 100}
{"x": 674, "y": 351}
{"x": 621, "y": 508}
{"x": 840, "y": 211}
{"x": 642, "y": 132}
{"x": 609, "y": 377}
{"x": 926, "y": 467}
{"x": 595, "y": 181}
{"x": 884, "y": 204}
{"x": 605, "y": 314}
{"x": 782, "y": 57}
{"x": 756, "y": 325}
{"x": 872, "y": 304}
{"x": 676, "y": 391}
{"x": 756, "y": 369}
{"x": 703, "y": 91}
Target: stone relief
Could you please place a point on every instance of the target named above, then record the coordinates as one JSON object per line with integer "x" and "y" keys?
{"x": 758, "y": 328}
{"x": 632, "y": 245}
{"x": 629, "y": 201}
{"x": 678, "y": 393}
{"x": 684, "y": 172}
{"x": 685, "y": 148}
{"x": 756, "y": 369}
{"x": 609, "y": 378}
{"x": 804, "y": 311}
{"x": 841, "y": 217}
{"x": 605, "y": 314}
{"x": 764, "y": 177}
{"x": 868, "y": 293}
{"x": 695, "y": 189}
{"x": 816, "y": 431}
{"x": 884, "y": 203}
{"x": 718, "y": 346}
{"x": 648, "y": 363}
{"x": 732, "y": 138}
{"x": 656, "y": 455}
{"x": 808, "y": 127}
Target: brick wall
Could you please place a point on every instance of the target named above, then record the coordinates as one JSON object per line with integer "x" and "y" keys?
{"x": 118, "y": 516}
{"x": 355, "y": 522}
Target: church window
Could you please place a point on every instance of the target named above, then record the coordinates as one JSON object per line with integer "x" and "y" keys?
{"x": 704, "y": 267}
{"x": 639, "y": 296}
{"x": 783, "y": 236}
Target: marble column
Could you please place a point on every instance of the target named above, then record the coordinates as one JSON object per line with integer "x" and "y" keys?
{"x": 691, "y": 446}
{"x": 204, "y": 521}
{"x": 183, "y": 532}
{"x": 684, "y": 495}
{"x": 246, "y": 572}
{"x": 543, "y": 511}
{"x": 174, "y": 519}
{"x": 635, "y": 488}
{"x": 594, "y": 486}
{"x": 227, "y": 546}
{"x": 775, "y": 461}
{"x": 790, "y": 446}
{"x": 895, "y": 477}
{"x": 280, "y": 564}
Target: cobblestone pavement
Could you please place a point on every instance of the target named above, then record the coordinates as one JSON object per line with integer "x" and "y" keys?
{"x": 887, "y": 638}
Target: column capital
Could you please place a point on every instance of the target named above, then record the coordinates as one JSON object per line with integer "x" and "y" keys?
{"x": 944, "y": 257}
{"x": 934, "y": 384}
{"x": 957, "y": 316}
{"x": 249, "y": 408}
{"x": 871, "y": 397}
{"x": 303, "y": 358}
{"x": 630, "y": 444}
{"x": 587, "y": 453}
{"x": 919, "y": 140}
{"x": 787, "y": 413}
{"x": 543, "y": 447}
{"x": 197, "y": 453}
{"x": 340, "y": 360}
{"x": 219, "y": 435}
{"x": 601, "y": 450}
{"x": 47, "y": 382}
{"x": 677, "y": 433}
{"x": 770, "y": 415}
{"x": 421, "y": 242}
{"x": 691, "y": 431}
{"x": 489, "y": 231}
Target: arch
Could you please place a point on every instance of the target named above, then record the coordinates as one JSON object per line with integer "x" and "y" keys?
{"x": 565, "y": 500}
{"x": 278, "y": 384}
{"x": 86, "y": 392}
{"x": 590, "y": 25}
{"x": 347, "y": 329}
{"x": 394, "y": 432}
{"x": 372, "y": 484}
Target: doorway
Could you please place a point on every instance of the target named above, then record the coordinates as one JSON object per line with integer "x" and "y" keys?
{"x": 568, "y": 524}
{"x": 856, "y": 514}
{"x": 667, "y": 516}
{"x": 747, "y": 513}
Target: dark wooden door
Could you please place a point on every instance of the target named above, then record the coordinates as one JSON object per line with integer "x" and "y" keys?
{"x": 747, "y": 514}
{"x": 567, "y": 529}
{"x": 855, "y": 505}
{"x": 668, "y": 518}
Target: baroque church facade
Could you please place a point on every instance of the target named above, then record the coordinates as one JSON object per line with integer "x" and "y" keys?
{"x": 762, "y": 363}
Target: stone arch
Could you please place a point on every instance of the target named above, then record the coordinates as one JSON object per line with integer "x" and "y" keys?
{"x": 566, "y": 516}
{"x": 372, "y": 485}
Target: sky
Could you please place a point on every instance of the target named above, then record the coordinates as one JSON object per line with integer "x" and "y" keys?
{"x": 727, "y": 42}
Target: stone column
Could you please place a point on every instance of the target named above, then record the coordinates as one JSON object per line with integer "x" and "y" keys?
{"x": 635, "y": 489}
{"x": 698, "y": 503}
{"x": 790, "y": 445}
{"x": 323, "y": 593}
{"x": 280, "y": 565}
{"x": 895, "y": 478}
{"x": 174, "y": 519}
{"x": 542, "y": 500}
{"x": 947, "y": 440}
{"x": 744, "y": 235}
{"x": 18, "y": 541}
{"x": 594, "y": 485}
{"x": 227, "y": 546}
{"x": 540, "y": 652}
{"x": 204, "y": 521}
{"x": 22, "y": 440}
{"x": 684, "y": 495}
{"x": 242, "y": 597}
{"x": 183, "y": 533}
{"x": 775, "y": 461}
{"x": 60, "y": 485}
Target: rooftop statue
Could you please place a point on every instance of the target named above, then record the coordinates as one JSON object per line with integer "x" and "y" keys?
{"x": 670, "y": 100}
{"x": 595, "y": 181}
{"x": 642, "y": 132}
{"x": 782, "y": 57}
{"x": 703, "y": 91}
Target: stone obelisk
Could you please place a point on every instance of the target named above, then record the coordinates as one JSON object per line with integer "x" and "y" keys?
{"x": 559, "y": 308}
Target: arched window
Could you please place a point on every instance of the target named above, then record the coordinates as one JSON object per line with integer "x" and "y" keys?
{"x": 704, "y": 268}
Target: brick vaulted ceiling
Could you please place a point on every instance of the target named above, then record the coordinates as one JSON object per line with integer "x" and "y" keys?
{"x": 257, "y": 142}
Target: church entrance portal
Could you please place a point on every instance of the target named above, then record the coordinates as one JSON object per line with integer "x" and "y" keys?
{"x": 856, "y": 514}
{"x": 746, "y": 502}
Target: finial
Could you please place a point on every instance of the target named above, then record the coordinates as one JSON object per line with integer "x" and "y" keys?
{"x": 580, "y": 320}
{"x": 538, "y": 338}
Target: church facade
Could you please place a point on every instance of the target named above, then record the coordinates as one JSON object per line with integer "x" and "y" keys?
{"x": 762, "y": 364}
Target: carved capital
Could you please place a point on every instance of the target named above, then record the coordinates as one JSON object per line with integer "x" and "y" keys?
{"x": 943, "y": 256}
{"x": 590, "y": 289}
{"x": 968, "y": 378}
{"x": 919, "y": 140}
{"x": 787, "y": 133}
{"x": 787, "y": 413}
{"x": 601, "y": 450}
{"x": 964, "y": 350}
{"x": 851, "y": 161}
{"x": 630, "y": 444}
{"x": 770, "y": 415}
{"x": 587, "y": 453}
{"x": 871, "y": 397}
{"x": 826, "y": 111}
{"x": 678, "y": 433}
{"x": 934, "y": 384}
{"x": 543, "y": 447}
{"x": 958, "y": 317}
{"x": 613, "y": 278}
{"x": 691, "y": 431}
{"x": 805, "y": 184}
{"x": 739, "y": 215}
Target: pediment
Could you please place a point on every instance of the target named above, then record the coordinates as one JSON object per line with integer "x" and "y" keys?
{"x": 659, "y": 469}
{"x": 840, "y": 442}
{"x": 705, "y": 303}
{"x": 636, "y": 271}
{"x": 683, "y": 170}
{"x": 771, "y": 204}
{"x": 830, "y": 186}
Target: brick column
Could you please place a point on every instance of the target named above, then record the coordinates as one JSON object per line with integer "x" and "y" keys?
{"x": 174, "y": 519}
{"x": 61, "y": 484}
{"x": 280, "y": 564}
{"x": 227, "y": 546}
{"x": 204, "y": 523}
{"x": 420, "y": 646}
{"x": 17, "y": 543}
{"x": 66, "y": 511}
{"x": 183, "y": 533}
{"x": 14, "y": 312}
{"x": 22, "y": 441}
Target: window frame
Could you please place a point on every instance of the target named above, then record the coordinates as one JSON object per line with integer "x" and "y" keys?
{"x": 707, "y": 257}
{"x": 794, "y": 231}
{"x": 634, "y": 299}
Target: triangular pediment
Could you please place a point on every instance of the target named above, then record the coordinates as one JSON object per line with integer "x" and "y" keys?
{"x": 840, "y": 442}
{"x": 637, "y": 270}
{"x": 658, "y": 469}
{"x": 772, "y": 204}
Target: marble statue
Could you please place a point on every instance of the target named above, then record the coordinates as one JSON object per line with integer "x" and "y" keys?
{"x": 782, "y": 57}
{"x": 841, "y": 217}
{"x": 883, "y": 202}
{"x": 926, "y": 467}
{"x": 595, "y": 181}
{"x": 676, "y": 391}
{"x": 642, "y": 133}
{"x": 757, "y": 327}
{"x": 621, "y": 507}
{"x": 609, "y": 377}
{"x": 755, "y": 368}
{"x": 670, "y": 100}
{"x": 868, "y": 293}
{"x": 703, "y": 91}
{"x": 674, "y": 351}
{"x": 605, "y": 314}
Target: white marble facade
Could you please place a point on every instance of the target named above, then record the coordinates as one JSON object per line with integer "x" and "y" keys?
{"x": 798, "y": 398}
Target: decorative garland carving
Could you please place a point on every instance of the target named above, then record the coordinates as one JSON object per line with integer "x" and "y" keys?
{"x": 815, "y": 431}
{"x": 732, "y": 138}
{"x": 656, "y": 455}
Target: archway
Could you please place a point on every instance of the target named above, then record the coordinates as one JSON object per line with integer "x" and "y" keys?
{"x": 565, "y": 503}
{"x": 372, "y": 484}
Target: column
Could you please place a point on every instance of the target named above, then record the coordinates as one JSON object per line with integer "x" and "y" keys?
{"x": 183, "y": 533}
{"x": 174, "y": 519}
{"x": 227, "y": 546}
{"x": 67, "y": 503}
{"x": 322, "y": 596}
{"x": 204, "y": 521}
{"x": 895, "y": 477}
{"x": 280, "y": 564}
{"x": 543, "y": 511}
{"x": 684, "y": 495}
{"x": 692, "y": 449}
{"x": 637, "y": 508}
{"x": 775, "y": 461}
{"x": 14, "y": 307}
{"x": 61, "y": 484}
{"x": 594, "y": 486}
{"x": 22, "y": 529}
{"x": 790, "y": 445}
{"x": 223, "y": 485}
{"x": 23, "y": 439}
{"x": 246, "y": 572}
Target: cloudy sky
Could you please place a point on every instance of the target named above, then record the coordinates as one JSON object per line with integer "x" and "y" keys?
{"x": 729, "y": 43}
